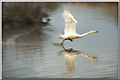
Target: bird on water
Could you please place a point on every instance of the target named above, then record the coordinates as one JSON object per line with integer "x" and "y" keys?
{"x": 70, "y": 28}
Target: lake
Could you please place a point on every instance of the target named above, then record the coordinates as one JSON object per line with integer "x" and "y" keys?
{"x": 29, "y": 51}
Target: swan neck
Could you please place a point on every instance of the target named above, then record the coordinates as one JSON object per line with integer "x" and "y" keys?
{"x": 86, "y": 33}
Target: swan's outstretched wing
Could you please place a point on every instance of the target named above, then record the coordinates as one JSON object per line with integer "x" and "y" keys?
{"x": 70, "y": 23}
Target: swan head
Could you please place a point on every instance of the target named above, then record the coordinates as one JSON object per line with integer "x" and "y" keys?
{"x": 93, "y": 31}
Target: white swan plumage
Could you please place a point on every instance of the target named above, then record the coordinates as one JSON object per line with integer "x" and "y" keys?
{"x": 70, "y": 27}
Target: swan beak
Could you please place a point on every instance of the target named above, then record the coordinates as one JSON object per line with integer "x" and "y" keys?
{"x": 96, "y": 32}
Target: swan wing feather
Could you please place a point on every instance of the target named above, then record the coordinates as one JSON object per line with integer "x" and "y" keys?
{"x": 70, "y": 23}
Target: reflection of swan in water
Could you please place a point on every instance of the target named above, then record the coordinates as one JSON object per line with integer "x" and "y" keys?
{"x": 70, "y": 28}
{"x": 70, "y": 55}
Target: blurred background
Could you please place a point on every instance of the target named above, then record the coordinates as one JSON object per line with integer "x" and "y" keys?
{"x": 29, "y": 33}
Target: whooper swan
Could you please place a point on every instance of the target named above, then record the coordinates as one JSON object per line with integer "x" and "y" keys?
{"x": 70, "y": 28}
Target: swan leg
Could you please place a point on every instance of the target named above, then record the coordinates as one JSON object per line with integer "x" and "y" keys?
{"x": 63, "y": 47}
{"x": 62, "y": 41}
{"x": 71, "y": 40}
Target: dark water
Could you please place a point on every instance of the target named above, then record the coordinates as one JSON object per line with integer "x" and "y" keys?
{"x": 32, "y": 53}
